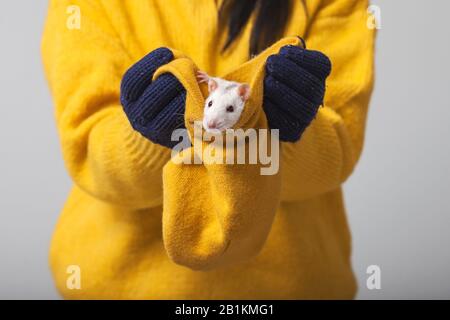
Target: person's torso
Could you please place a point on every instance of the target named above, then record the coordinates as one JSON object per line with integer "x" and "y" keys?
{"x": 120, "y": 251}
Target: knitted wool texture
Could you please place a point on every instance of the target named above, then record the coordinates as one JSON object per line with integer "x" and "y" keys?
{"x": 241, "y": 203}
{"x": 293, "y": 90}
{"x": 118, "y": 209}
{"x": 154, "y": 108}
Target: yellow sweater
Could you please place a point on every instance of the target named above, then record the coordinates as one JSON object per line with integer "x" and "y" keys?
{"x": 290, "y": 243}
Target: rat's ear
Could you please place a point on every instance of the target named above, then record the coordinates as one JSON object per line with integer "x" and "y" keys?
{"x": 244, "y": 91}
{"x": 212, "y": 85}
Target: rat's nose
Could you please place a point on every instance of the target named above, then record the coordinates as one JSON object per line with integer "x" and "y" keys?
{"x": 212, "y": 124}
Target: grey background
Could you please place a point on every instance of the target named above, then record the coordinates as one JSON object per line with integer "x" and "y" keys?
{"x": 398, "y": 199}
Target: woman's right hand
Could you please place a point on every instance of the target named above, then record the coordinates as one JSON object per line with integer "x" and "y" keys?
{"x": 154, "y": 108}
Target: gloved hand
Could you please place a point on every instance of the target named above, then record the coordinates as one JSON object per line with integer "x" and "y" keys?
{"x": 294, "y": 88}
{"x": 154, "y": 108}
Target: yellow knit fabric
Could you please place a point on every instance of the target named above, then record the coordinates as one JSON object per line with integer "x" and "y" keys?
{"x": 225, "y": 231}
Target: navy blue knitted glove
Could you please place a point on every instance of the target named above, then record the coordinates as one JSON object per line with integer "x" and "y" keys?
{"x": 154, "y": 108}
{"x": 294, "y": 88}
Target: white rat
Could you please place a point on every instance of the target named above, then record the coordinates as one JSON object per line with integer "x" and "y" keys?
{"x": 225, "y": 102}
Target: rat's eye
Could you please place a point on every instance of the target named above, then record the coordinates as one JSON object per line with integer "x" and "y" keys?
{"x": 210, "y": 103}
{"x": 230, "y": 109}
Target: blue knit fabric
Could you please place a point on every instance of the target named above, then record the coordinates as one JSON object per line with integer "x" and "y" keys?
{"x": 154, "y": 108}
{"x": 294, "y": 88}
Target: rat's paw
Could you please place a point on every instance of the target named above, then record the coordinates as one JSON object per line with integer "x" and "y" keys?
{"x": 202, "y": 76}
{"x": 154, "y": 108}
{"x": 294, "y": 88}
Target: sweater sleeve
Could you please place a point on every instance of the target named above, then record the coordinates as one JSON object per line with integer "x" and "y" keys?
{"x": 330, "y": 147}
{"x": 84, "y": 65}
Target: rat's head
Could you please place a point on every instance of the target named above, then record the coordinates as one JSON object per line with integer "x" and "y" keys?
{"x": 224, "y": 105}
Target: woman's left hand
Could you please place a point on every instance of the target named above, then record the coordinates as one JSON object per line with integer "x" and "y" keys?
{"x": 294, "y": 89}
